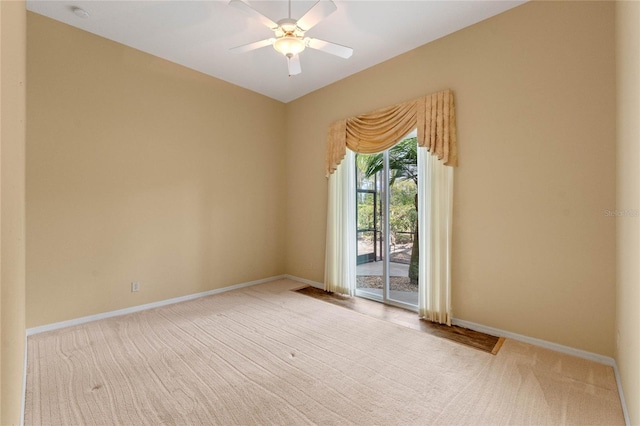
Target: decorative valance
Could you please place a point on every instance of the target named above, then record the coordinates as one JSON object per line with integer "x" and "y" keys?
{"x": 433, "y": 115}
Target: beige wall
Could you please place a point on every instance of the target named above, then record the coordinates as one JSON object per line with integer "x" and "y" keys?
{"x": 628, "y": 198}
{"x": 535, "y": 90}
{"x": 12, "y": 207}
{"x": 141, "y": 170}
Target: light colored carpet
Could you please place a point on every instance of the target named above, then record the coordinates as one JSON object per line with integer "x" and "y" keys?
{"x": 266, "y": 355}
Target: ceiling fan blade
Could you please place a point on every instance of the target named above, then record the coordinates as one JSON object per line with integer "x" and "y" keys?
{"x": 294, "y": 65}
{"x": 328, "y": 47}
{"x": 247, "y": 9}
{"x": 252, "y": 46}
{"x": 317, "y": 13}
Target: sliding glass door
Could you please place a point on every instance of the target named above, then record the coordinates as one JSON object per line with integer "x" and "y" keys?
{"x": 386, "y": 210}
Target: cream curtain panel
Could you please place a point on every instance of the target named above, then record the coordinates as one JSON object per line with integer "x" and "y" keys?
{"x": 340, "y": 263}
{"x": 433, "y": 116}
{"x": 435, "y": 210}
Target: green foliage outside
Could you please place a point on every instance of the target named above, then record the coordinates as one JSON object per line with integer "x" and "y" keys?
{"x": 365, "y": 212}
{"x": 402, "y": 215}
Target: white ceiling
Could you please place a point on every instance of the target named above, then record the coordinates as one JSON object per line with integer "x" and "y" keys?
{"x": 198, "y": 34}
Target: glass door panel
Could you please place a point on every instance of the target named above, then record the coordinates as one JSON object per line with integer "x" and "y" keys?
{"x": 403, "y": 222}
{"x": 387, "y": 268}
{"x": 370, "y": 257}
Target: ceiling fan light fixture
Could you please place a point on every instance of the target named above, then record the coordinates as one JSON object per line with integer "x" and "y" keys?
{"x": 289, "y": 45}
{"x": 288, "y": 26}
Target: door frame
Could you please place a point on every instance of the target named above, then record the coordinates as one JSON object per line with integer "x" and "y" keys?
{"x": 386, "y": 231}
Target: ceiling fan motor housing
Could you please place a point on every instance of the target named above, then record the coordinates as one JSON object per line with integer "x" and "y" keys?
{"x": 288, "y": 27}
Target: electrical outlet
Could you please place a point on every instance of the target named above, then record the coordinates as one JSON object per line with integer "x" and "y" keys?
{"x": 135, "y": 286}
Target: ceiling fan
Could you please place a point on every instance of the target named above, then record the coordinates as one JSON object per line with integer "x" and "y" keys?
{"x": 289, "y": 34}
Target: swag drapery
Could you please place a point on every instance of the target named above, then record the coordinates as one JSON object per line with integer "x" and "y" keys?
{"x": 434, "y": 118}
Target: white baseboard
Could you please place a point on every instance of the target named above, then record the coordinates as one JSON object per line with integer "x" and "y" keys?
{"x": 555, "y": 347}
{"x": 627, "y": 420}
{"x": 303, "y": 280}
{"x": 24, "y": 383}
{"x": 90, "y": 318}
{"x": 538, "y": 342}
